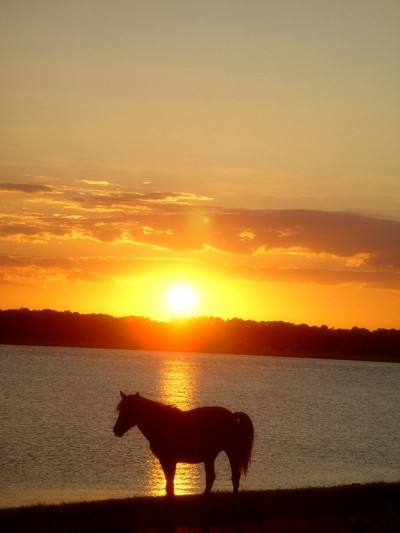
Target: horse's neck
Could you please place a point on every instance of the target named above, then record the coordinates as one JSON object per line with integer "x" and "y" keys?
{"x": 152, "y": 419}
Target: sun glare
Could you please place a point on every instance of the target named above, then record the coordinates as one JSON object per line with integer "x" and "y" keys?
{"x": 181, "y": 298}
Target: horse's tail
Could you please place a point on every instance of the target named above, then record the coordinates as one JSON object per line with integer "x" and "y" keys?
{"x": 246, "y": 438}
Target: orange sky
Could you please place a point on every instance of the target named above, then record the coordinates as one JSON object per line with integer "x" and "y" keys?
{"x": 247, "y": 149}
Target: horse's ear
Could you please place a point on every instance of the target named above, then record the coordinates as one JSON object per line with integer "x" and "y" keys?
{"x": 123, "y": 396}
{"x": 137, "y": 394}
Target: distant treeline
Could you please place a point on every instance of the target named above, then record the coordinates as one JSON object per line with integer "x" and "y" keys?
{"x": 212, "y": 335}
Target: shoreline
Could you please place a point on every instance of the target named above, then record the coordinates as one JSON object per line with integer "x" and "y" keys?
{"x": 369, "y": 507}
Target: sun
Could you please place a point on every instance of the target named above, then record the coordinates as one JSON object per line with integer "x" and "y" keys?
{"x": 181, "y": 298}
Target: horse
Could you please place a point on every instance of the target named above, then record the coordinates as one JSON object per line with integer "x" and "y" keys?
{"x": 194, "y": 436}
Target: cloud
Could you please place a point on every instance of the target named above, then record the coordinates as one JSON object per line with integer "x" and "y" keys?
{"x": 105, "y": 269}
{"x": 135, "y": 201}
{"x": 264, "y": 245}
{"x": 335, "y": 233}
{"x": 354, "y": 238}
{"x": 366, "y": 278}
{"x": 27, "y": 188}
{"x": 96, "y": 182}
{"x": 34, "y": 270}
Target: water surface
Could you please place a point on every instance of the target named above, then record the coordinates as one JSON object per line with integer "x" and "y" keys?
{"x": 317, "y": 422}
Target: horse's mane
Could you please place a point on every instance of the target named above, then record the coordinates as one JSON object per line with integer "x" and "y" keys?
{"x": 158, "y": 405}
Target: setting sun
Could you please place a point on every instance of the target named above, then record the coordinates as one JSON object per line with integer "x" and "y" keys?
{"x": 181, "y": 298}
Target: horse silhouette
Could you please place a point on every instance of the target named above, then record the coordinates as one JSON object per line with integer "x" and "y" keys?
{"x": 195, "y": 436}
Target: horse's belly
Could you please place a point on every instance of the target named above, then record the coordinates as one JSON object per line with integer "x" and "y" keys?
{"x": 190, "y": 458}
{"x": 198, "y": 448}
{"x": 196, "y": 456}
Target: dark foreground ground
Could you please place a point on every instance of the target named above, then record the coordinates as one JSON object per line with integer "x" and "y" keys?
{"x": 353, "y": 508}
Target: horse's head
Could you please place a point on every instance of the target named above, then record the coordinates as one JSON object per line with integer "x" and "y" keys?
{"x": 127, "y": 417}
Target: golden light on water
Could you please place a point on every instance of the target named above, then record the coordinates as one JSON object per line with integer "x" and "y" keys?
{"x": 177, "y": 382}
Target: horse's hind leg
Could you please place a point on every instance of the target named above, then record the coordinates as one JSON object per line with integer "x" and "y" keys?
{"x": 235, "y": 476}
{"x": 210, "y": 478}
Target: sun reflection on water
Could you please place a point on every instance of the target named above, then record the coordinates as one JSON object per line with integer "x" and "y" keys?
{"x": 177, "y": 382}
{"x": 176, "y": 386}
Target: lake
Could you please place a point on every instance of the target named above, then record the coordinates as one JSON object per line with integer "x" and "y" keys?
{"x": 317, "y": 422}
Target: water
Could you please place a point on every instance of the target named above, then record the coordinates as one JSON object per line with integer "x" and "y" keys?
{"x": 316, "y": 422}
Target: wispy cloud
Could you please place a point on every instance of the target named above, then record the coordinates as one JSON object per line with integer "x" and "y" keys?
{"x": 27, "y": 188}
{"x": 96, "y": 182}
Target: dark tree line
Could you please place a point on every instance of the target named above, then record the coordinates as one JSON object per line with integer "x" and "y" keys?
{"x": 213, "y": 335}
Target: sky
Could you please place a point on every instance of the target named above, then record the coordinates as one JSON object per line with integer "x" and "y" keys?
{"x": 248, "y": 150}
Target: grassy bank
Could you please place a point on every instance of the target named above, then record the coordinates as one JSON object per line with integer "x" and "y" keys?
{"x": 353, "y": 508}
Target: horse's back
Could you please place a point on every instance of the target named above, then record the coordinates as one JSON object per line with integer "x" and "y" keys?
{"x": 209, "y": 416}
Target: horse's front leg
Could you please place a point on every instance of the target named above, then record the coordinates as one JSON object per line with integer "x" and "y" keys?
{"x": 169, "y": 469}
